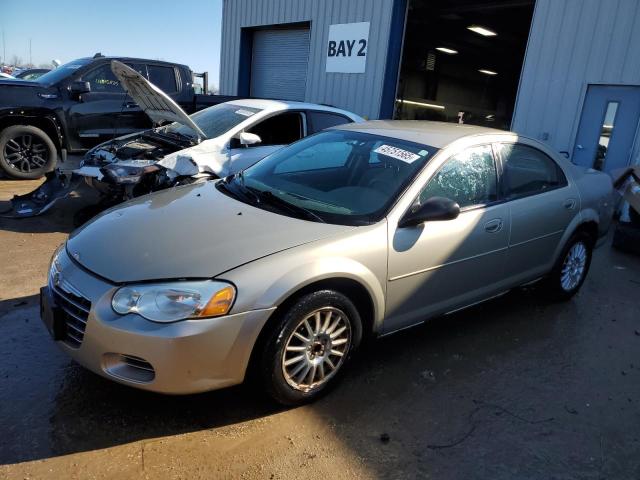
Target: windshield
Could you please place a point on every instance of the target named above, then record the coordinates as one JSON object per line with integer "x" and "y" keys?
{"x": 340, "y": 176}
{"x": 216, "y": 120}
{"x": 63, "y": 71}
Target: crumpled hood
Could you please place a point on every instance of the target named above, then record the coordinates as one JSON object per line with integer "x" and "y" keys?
{"x": 153, "y": 101}
{"x": 193, "y": 231}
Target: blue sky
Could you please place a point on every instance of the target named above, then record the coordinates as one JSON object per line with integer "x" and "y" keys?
{"x": 180, "y": 31}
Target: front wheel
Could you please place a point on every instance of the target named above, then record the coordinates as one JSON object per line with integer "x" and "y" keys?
{"x": 26, "y": 152}
{"x": 309, "y": 347}
{"x": 572, "y": 267}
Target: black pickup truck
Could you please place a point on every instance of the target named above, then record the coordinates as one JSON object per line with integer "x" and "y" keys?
{"x": 77, "y": 106}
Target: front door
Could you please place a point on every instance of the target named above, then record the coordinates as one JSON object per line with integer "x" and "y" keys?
{"x": 608, "y": 127}
{"x": 106, "y": 111}
{"x": 442, "y": 265}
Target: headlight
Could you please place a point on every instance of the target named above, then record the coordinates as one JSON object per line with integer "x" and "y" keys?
{"x": 54, "y": 264}
{"x": 170, "y": 302}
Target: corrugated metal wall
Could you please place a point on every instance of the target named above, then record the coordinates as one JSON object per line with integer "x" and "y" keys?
{"x": 574, "y": 43}
{"x": 360, "y": 93}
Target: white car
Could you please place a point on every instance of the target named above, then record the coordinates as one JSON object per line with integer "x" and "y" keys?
{"x": 215, "y": 142}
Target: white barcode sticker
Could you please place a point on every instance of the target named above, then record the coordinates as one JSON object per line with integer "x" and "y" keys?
{"x": 246, "y": 113}
{"x": 397, "y": 153}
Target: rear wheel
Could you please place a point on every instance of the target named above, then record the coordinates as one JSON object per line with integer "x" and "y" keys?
{"x": 26, "y": 152}
{"x": 572, "y": 267}
{"x": 307, "y": 350}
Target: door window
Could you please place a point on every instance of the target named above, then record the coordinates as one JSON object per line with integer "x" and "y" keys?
{"x": 102, "y": 79}
{"x": 528, "y": 171}
{"x": 606, "y": 129}
{"x": 163, "y": 77}
{"x": 281, "y": 129}
{"x": 468, "y": 178}
{"x": 317, "y": 121}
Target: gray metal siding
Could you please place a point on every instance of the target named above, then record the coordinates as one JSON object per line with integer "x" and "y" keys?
{"x": 574, "y": 43}
{"x": 279, "y": 64}
{"x": 360, "y": 93}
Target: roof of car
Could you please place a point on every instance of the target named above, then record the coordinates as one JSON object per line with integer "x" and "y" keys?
{"x": 435, "y": 134}
{"x": 267, "y": 104}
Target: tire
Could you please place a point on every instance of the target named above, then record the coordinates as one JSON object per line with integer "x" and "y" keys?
{"x": 26, "y": 152}
{"x": 572, "y": 267}
{"x": 302, "y": 381}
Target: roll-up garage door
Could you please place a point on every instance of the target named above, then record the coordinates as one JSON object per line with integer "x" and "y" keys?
{"x": 279, "y": 63}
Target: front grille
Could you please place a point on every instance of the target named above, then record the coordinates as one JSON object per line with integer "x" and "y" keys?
{"x": 75, "y": 309}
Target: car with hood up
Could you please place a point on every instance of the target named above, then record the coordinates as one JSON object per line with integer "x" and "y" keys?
{"x": 77, "y": 106}
{"x": 215, "y": 142}
{"x": 282, "y": 269}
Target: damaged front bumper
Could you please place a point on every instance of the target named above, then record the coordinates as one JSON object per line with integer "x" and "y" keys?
{"x": 56, "y": 187}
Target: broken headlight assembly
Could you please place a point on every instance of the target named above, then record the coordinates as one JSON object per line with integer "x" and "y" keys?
{"x": 123, "y": 174}
{"x": 173, "y": 301}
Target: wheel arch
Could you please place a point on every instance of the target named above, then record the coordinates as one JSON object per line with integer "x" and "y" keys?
{"x": 47, "y": 123}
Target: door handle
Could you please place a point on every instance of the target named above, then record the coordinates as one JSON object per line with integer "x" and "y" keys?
{"x": 570, "y": 203}
{"x": 130, "y": 104}
{"x": 493, "y": 226}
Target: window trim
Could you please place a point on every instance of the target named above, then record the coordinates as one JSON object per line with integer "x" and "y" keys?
{"x": 499, "y": 197}
{"x": 502, "y": 183}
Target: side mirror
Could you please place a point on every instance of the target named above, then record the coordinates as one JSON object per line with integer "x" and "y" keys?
{"x": 78, "y": 88}
{"x": 434, "y": 209}
{"x": 247, "y": 139}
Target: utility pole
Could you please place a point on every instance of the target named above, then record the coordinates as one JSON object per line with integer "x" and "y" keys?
{"x": 4, "y": 49}
{"x": 30, "y": 62}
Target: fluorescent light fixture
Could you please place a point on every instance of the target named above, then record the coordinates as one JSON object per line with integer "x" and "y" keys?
{"x": 487, "y": 72}
{"x": 422, "y": 104}
{"x": 448, "y": 51}
{"x": 485, "y": 32}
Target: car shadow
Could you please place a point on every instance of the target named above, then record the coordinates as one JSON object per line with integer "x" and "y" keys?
{"x": 64, "y": 409}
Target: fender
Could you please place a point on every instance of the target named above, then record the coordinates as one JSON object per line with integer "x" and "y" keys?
{"x": 269, "y": 281}
{"x": 42, "y": 118}
{"x": 584, "y": 216}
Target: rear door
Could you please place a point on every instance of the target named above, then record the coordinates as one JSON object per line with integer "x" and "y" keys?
{"x": 275, "y": 132}
{"x": 106, "y": 111}
{"x": 541, "y": 204}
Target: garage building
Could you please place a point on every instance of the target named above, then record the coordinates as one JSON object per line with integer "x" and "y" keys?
{"x": 563, "y": 71}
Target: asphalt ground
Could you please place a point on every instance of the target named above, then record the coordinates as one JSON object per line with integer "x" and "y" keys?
{"x": 515, "y": 388}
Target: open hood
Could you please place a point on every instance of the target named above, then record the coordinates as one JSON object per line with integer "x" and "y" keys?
{"x": 153, "y": 101}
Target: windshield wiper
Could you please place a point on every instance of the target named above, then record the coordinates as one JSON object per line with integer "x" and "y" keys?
{"x": 266, "y": 196}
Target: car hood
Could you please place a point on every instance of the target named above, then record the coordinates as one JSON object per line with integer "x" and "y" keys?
{"x": 193, "y": 231}
{"x": 153, "y": 101}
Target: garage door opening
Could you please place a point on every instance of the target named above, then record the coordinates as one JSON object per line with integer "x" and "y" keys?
{"x": 279, "y": 63}
{"x": 462, "y": 60}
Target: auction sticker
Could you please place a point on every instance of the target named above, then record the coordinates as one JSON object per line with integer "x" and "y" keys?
{"x": 397, "y": 153}
{"x": 246, "y": 113}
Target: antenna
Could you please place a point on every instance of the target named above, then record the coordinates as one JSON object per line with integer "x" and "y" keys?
{"x": 30, "y": 62}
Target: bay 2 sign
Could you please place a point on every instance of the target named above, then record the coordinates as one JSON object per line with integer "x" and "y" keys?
{"x": 347, "y": 47}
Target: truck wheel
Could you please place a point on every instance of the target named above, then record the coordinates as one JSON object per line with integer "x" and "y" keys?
{"x": 572, "y": 267}
{"x": 307, "y": 350}
{"x": 26, "y": 152}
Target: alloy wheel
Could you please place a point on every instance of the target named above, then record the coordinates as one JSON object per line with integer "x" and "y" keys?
{"x": 25, "y": 153}
{"x": 316, "y": 349}
{"x": 574, "y": 266}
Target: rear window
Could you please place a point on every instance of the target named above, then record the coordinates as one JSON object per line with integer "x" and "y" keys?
{"x": 317, "y": 121}
{"x": 163, "y": 77}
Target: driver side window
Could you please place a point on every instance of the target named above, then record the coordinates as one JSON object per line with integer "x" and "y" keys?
{"x": 103, "y": 80}
{"x": 468, "y": 178}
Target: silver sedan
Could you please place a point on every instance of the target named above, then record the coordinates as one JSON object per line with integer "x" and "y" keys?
{"x": 283, "y": 269}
